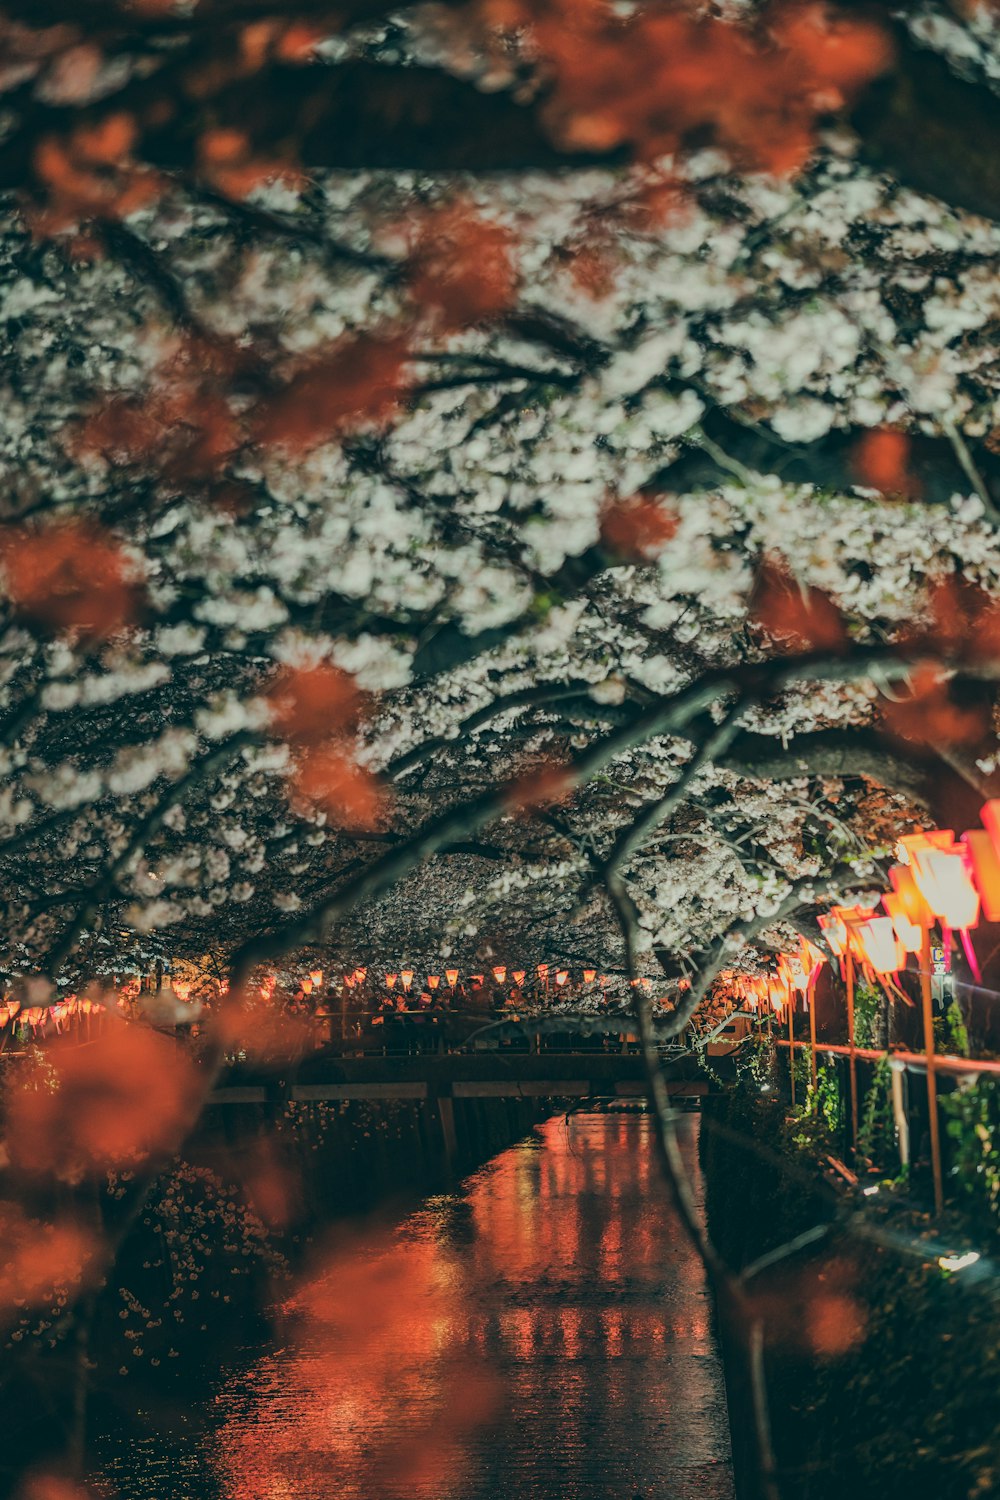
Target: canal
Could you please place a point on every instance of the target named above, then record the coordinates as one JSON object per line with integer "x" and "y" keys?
{"x": 544, "y": 1331}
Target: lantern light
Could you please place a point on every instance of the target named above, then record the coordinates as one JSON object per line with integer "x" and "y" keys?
{"x": 991, "y": 820}
{"x": 912, "y": 843}
{"x": 500, "y": 973}
{"x": 406, "y": 975}
{"x": 543, "y": 970}
{"x": 518, "y": 977}
{"x": 433, "y": 980}
{"x": 349, "y": 981}
{"x": 912, "y": 903}
{"x": 316, "y": 976}
{"x": 561, "y": 976}
{"x": 589, "y": 975}
{"x": 944, "y": 883}
{"x": 985, "y": 861}
{"x": 910, "y": 934}
{"x": 360, "y": 975}
{"x": 307, "y": 985}
{"x": 477, "y": 980}
{"x": 835, "y": 932}
{"x": 451, "y": 975}
{"x": 390, "y": 981}
{"x": 880, "y": 945}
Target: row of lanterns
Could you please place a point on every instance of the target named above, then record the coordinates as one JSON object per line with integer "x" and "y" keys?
{"x": 39, "y": 1015}
{"x": 547, "y": 978}
{"x": 937, "y": 879}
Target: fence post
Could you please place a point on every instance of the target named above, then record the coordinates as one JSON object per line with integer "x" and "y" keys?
{"x": 899, "y": 1114}
{"x": 933, "y": 1123}
{"x": 811, "y": 998}
{"x": 852, "y": 1060}
{"x": 791, "y": 1043}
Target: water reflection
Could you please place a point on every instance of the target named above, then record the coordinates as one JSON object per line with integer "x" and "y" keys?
{"x": 544, "y": 1333}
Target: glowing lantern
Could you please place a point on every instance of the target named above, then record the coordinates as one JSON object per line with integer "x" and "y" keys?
{"x": 985, "y": 862}
{"x": 812, "y": 958}
{"x": 835, "y": 932}
{"x": 406, "y": 975}
{"x": 797, "y": 977}
{"x": 910, "y": 934}
{"x": 561, "y": 976}
{"x": 589, "y": 975}
{"x": 991, "y": 821}
{"x": 316, "y": 976}
{"x": 500, "y": 973}
{"x": 518, "y": 977}
{"x": 360, "y": 975}
{"x": 390, "y": 980}
{"x": 477, "y": 980}
{"x": 349, "y": 981}
{"x": 946, "y": 886}
{"x": 434, "y": 980}
{"x": 543, "y": 970}
{"x": 451, "y": 975}
{"x": 912, "y": 843}
{"x": 307, "y": 985}
{"x": 880, "y": 945}
{"x": 912, "y": 903}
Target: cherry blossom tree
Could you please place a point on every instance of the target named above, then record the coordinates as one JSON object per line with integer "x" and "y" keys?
{"x": 481, "y": 479}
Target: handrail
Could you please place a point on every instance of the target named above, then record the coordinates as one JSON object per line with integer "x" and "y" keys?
{"x": 944, "y": 1062}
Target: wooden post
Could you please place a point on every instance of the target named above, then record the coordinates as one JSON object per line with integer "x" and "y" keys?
{"x": 811, "y": 998}
{"x": 900, "y": 1117}
{"x": 852, "y": 1060}
{"x": 446, "y": 1121}
{"x": 791, "y": 1044}
{"x": 928, "y": 1009}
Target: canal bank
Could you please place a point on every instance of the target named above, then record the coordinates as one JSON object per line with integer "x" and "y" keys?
{"x": 542, "y": 1329}
{"x": 212, "y": 1246}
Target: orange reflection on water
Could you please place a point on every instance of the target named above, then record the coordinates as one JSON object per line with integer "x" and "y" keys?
{"x": 500, "y": 1340}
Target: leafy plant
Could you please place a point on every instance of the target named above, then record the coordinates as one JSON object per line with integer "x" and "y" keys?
{"x": 974, "y": 1128}
{"x": 877, "y": 1130}
{"x": 867, "y": 1015}
{"x": 950, "y": 1031}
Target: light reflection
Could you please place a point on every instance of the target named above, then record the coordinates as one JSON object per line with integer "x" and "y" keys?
{"x": 493, "y": 1342}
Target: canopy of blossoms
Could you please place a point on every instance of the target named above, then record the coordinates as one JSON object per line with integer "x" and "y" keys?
{"x": 438, "y": 544}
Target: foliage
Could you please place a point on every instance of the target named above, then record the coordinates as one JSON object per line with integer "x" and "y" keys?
{"x": 973, "y": 1129}
{"x": 863, "y": 1412}
{"x": 827, "y": 1102}
{"x": 950, "y": 1031}
{"x": 876, "y": 1128}
{"x": 868, "y": 1003}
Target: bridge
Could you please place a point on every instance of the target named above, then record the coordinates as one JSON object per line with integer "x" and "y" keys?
{"x": 462, "y": 1075}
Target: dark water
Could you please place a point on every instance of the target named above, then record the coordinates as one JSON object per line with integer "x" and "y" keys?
{"x": 543, "y": 1332}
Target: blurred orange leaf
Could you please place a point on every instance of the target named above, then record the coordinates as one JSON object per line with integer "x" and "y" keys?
{"x": 541, "y": 787}
{"x": 362, "y": 380}
{"x": 44, "y": 1259}
{"x": 930, "y": 715}
{"x": 462, "y": 266}
{"x": 85, "y": 1110}
{"x": 803, "y": 618}
{"x": 638, "y": 528}
{"x": 69, "y": 575}
{"x": 881, "y": 460}
{"x": 313, "y": 704}
{"x": 328, "y": 777}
